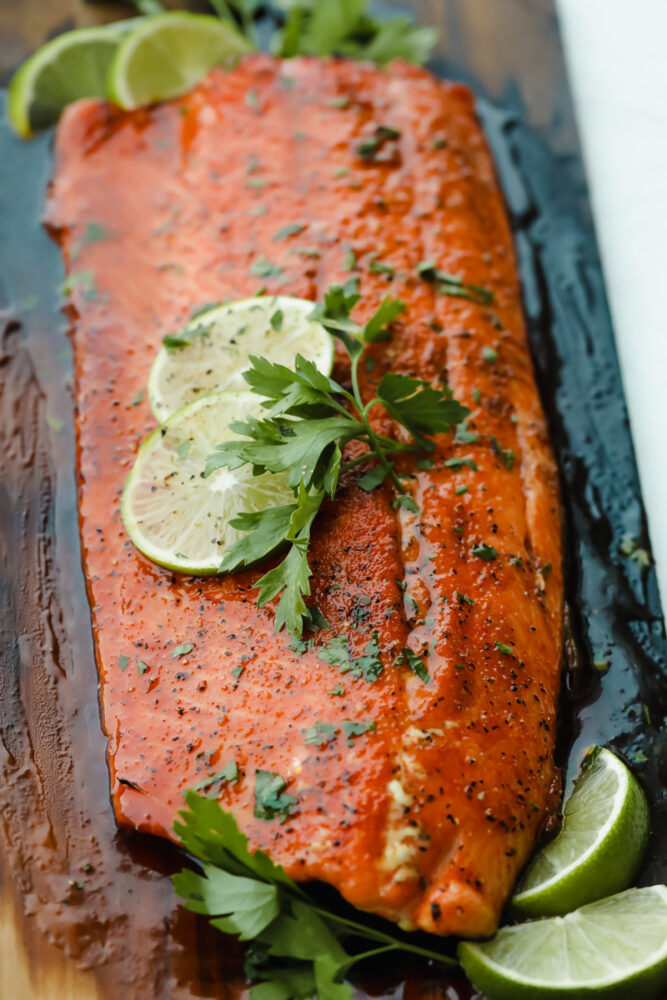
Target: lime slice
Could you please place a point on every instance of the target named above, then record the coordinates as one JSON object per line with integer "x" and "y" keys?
{"x": 168, "y": 54}
{"x": 600, "y": 846}
{"x": 172, "y": 514}
{"x": 71, "y": 66}
{"x": 215, "y": 348}
{"x": 614, "y": 948}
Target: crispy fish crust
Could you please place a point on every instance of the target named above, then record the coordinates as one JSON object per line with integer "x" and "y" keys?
{"x": 427, "y": 817}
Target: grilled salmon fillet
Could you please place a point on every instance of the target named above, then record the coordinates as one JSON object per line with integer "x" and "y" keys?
{"x": 426, "y": 808}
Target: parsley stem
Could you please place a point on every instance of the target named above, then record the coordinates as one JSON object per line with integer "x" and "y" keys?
{"x": 344, "y": 968}
{"x": 335, "y": 405}
{"x": 373, "y": 935}
{"x": 367, "y": 455}
{"x": 391, "y": 446}
{"x": 372, "y": 437}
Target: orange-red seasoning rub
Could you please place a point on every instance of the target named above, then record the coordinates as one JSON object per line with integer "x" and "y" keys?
{"x": 426, "y": 815}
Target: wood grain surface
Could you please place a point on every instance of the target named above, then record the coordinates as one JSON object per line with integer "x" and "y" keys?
{"x": 502, "y": 43}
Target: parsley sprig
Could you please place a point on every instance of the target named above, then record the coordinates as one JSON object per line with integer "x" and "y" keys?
{"x": 310, "y": 419}
{"x": 295, "y": 949}
{"x": 344, "y": 28}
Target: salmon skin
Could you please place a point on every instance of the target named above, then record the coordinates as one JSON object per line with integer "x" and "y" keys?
{"x": 418, "y": 799}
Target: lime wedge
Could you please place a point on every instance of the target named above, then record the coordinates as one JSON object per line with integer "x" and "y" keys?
{"x": 600, "y": 846}
{"x": 214, "y": 349}
{"x": 71, "y": 66}
{"x": 614, "y": 948}
{"x": 173, "y": 515}
{"x": 168, "y": 54}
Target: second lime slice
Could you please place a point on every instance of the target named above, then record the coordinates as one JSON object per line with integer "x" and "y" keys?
{"x": 173, "y": 514}
{"x": 166, "y": 55}
{"x": 213, "y": 351}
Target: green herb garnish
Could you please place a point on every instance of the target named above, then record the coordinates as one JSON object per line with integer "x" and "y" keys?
{"x": 459, "y": 463}
{"x": 451, "y": 284}
{"x": 353, "y": 729}
{"x": 405, "y": 502}
{"x": 184, "y": 337}
{"x": 277, "y": 320}
{"x": 484, "y": 551}
{"x": 263, "y": 268}
{"x": 291, "y": 230}
{"x": 93, "y": 233}
{"x": 416, "y": 664}
{"x": 505, "y": 456}
{"x": 182, "y": 650}
{"x": 342, "y": 27}
{"x": 381, "y": 267}
{"x": 464, "y": 436}
{"x": 83, "y": 279}
{"x": 270, "y": 799}
{"x": 230, "y": 772}
{"x": 368, "y": 665}
{"x": 320, "y": 734}
{"x": 371, "y": 145}
{"x": 309, "y": 421}
{"x": 295, "y": 949}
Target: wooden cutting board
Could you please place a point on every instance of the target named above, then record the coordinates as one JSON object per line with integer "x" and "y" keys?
{"x": 85, "y": 911}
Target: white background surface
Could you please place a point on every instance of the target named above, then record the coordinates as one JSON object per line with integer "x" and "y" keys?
{"x": 617, "y": 59}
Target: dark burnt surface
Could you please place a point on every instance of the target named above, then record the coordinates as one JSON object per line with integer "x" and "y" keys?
{"x": 102, "y": 897}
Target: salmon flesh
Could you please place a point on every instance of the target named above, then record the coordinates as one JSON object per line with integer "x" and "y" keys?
{"x": 426, "y": 797}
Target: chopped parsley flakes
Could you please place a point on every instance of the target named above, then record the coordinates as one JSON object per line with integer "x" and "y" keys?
{"x": 353, "y": 729}
{"x": 263, "y": 268}
{"x": 181, "y": 650}
{"x": 504, "y": 648}
{"x": 484, "y": 551}
{"x": 415, "y": 663}
{"x": 230, "y": 772}
{"x": 270, "y": 798}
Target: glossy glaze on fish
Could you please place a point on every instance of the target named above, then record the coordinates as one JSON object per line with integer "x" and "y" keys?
{"x": 427, "y": 816}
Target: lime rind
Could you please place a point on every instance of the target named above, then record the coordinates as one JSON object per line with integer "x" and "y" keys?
{"x": 613, "y": 948}
{"x": 166, "y": 55}
{"x": 176, "y": 517}
{"x": 221, "y": 341}
{"x": 600, "y": 847}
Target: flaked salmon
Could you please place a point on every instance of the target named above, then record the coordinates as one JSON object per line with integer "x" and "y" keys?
{"x": 419, "y": 799}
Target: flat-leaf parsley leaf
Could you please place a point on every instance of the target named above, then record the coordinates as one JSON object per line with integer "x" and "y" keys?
{"x": 295, "y": 949}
